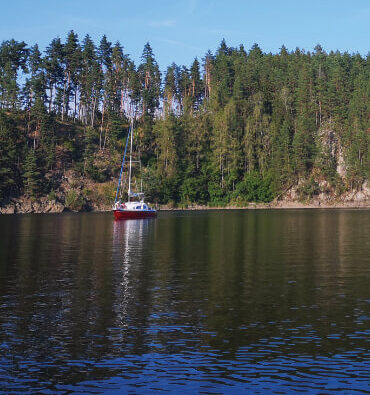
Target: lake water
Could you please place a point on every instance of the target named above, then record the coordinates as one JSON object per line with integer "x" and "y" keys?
{"x": 257, "y": 301}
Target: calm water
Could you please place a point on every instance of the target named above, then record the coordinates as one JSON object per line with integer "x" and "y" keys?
{"x": 199, "y": 302}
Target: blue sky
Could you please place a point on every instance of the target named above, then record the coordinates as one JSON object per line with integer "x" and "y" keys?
{"x": 180, "y": 30}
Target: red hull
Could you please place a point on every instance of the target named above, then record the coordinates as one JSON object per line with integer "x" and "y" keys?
{"x": 118, "y": 214}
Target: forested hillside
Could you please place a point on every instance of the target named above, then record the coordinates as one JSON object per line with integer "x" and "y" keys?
{"x": 236, "y": 126}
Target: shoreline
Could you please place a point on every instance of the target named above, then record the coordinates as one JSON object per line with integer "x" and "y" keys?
{"x": 275, "y": 206}
{"x": 55, "y": 207}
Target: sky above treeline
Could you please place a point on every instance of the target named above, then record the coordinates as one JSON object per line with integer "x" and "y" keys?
{"x": 180, "y": 30}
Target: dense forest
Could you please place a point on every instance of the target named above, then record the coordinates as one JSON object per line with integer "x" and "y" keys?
{"x": 236, "y": 126}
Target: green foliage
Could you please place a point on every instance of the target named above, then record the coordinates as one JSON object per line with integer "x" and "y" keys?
{"x": 150, "y": 79}
{"x": 101, "y": 194}
{"x": 254, "y": 188}
{"x": 109, "y": 192}
{"x": 308, "y": 189}
{"x": 217, "y": 195}
{"x": 152, "y": 185}
{"x": 243, "y": 126}
{"x": 9, "y": 174}
{"x": 194, "y": 190}
{"x": 32, "y": 175}
{"x": 170, "y": 189}
{"x": 52, "y": 195}
{"x": 74, "y": 200}
{"x": 98, "y": 173}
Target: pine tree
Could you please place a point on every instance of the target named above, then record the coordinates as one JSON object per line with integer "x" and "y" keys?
{"x": 54, "y": 70}
{"x": 248, "y": 123}
{"x": 9, "y": 153}
{"x": 13, "y": 56}
{"x": 170, "y": 89}
{"x": 150, "y": 78}
{"x": 72, "y": 65}
{"x": 31, "y": 174}
{"x": 196, "y": 84}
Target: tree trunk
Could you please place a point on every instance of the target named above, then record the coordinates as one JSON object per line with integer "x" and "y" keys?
{"x": 101, "y": 126}
{"x": 51, "y": 97}
{"x": 63, "y": 99}
{"x": 105, "y": 137}
{"x": 75, "y": 111}
{"x": 66, "y": 100}
{"x": 93, "y": 112}
{"x": 122, "y": 102}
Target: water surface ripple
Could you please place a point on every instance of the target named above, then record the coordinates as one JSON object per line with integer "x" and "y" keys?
{"x": 193, "y": 302}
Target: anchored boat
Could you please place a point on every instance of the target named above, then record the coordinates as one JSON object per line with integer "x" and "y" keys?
{"x": 135, "y": 207}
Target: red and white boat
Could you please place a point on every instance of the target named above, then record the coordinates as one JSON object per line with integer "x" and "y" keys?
{"x": 135, "y": 207}
{"x": 133, "y": 210}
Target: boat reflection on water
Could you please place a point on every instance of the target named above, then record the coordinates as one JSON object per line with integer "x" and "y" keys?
{"x": 132, "y": 243}
{"x": 130, "y": 238}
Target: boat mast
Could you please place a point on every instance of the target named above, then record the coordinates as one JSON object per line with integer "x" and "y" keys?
{"x": 141, "y": 176}
{"x": 129, "y": 176}
{"x": 119, "y": 185}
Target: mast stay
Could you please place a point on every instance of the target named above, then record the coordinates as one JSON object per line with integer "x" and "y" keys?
{"x": 123, "y": 161}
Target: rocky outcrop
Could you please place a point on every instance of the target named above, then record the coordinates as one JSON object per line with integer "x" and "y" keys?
{"x": 362, "y": 195}
{"x": 24, "y": 205}
{"x": 325, "y": 197}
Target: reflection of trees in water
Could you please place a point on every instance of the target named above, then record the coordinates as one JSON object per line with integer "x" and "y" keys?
{"x": 82, "y": 287}
{"x": 67, "y": 297}
{"x": 58, "y": 290}
{"x": 288, "y": 271}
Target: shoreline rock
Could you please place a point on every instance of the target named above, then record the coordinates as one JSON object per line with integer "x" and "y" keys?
{"x": 355, "y": 199}
{"x": 28, "y": 207}
{"x": 280, "y": 206}
{"x": 39, "y": 206}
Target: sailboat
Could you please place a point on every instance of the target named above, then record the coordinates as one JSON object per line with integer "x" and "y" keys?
{"x": 135, "y": 207}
